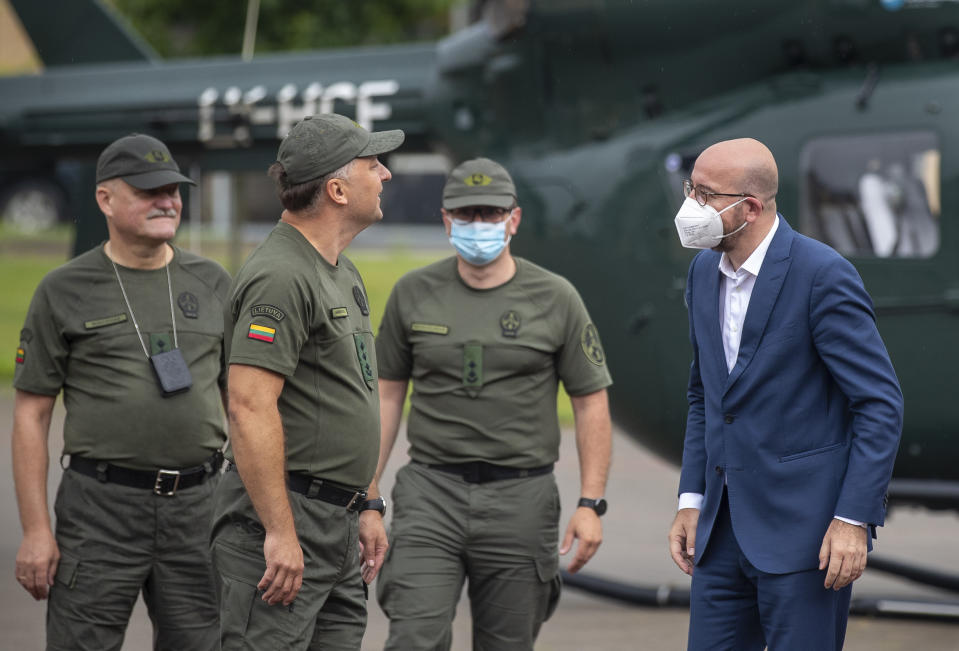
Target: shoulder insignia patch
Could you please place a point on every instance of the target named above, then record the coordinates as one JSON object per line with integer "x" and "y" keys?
{"x": 430, "y": 328}
{"x": 21, "y": 354}
{"x": 360, "y": 299}
{"x": 339, "y": 312}
{"x": 189, "y": 304}
{"x": 591, "y": 346}
{"x": 100, "y": 323}
{"x": 261, "y": 332}
{"x": 26, "y": 335}
{"x": 509, "y": 323}
{"x": 271, "y": 311}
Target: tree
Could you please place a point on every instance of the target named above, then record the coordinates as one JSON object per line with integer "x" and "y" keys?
{"x": 177, "y": 28}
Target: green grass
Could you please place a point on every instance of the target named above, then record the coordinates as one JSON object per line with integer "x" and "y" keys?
{"x": 21, "y": 271}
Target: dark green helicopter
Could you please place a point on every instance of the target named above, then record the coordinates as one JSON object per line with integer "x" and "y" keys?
{"x": 599, "y": 108}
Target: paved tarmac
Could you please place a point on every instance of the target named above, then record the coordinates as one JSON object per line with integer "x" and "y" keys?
{"x": 642, "y": 501}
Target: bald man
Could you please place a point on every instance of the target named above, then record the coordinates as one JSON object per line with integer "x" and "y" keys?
{"x": 794, "y": 420}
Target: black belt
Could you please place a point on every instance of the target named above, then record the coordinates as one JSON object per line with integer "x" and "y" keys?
{"x": 162, "y": 481}
{"x": 319, "y": 489}
{"x": 480, "y": 472}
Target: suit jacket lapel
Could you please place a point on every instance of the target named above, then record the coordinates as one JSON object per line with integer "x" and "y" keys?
{"x": 763, "y": 298}
{"x": 714, "y": 339}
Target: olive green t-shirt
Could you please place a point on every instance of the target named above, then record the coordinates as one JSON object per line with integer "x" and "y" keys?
{"x": 486, "y": 363}
{"x": 294, "y": 313}
{"x": 79, "y": 337}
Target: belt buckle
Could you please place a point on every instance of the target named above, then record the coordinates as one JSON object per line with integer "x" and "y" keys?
{"x": 161, "y": 475}
{"x": 356, "y": 496}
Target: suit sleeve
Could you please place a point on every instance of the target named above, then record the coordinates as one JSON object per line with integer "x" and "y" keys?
{"x": 847, "y": 340}
{"x": 693, "y": 475}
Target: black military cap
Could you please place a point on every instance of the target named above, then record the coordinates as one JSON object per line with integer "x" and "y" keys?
{"x": 142, "y": 161}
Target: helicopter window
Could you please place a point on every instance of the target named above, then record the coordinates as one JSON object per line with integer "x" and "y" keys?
{"x": 873, "y": 195}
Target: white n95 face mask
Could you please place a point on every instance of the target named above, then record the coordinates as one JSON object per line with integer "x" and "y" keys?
{"x": 701, "y": 227}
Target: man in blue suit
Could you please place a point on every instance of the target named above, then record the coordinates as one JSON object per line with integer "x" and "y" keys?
{"x": 795, "y": 415}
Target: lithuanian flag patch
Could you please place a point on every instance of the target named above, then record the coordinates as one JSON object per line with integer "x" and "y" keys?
{"x": 20, "y": 355}
{"x": 263, "y": 333}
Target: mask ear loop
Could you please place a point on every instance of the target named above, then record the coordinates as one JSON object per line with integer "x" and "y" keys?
{"x": 738, "y": 228}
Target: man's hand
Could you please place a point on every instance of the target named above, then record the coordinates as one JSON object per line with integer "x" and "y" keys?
{"x": 37, "y": 561}
{"x": 844, "y": 551}
{"x": 284, "y": 568}
{"x": 373, "y": 543}
{"x": 682, "y": 539}
{"x": 585, "y": 526}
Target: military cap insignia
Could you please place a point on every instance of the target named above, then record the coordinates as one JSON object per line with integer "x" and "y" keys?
{"x": 477, "y": 179}
{"x": 509, "y": 323}
{"x": 591, "y": 345}
{"x": 157, "y": 156}
{"x": 189, "y": 304}
{"x": 360, "y": 299}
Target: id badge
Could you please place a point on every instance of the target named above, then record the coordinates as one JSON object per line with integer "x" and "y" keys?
{"x": 172, "y": 372}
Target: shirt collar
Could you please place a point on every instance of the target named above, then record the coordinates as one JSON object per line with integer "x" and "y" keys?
{"x": 755, "y": 261}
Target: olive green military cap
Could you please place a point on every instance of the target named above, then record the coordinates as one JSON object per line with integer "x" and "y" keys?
{"x": 320, "y": 144}
{"x": 141, "y": 160}
{"x": 479, "y": 182}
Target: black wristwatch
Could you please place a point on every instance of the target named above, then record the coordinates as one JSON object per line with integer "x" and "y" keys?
{"x": 597, "y": 505}
{"x": 377, "y": 504}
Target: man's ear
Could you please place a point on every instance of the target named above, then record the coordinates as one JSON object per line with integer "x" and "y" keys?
{"x": 337, "y": 190}
{"x": 103, "y": 196}
{"x": 516, "y": 219}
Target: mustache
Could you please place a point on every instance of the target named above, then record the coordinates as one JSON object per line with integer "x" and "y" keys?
{"x": 162, "y": 213}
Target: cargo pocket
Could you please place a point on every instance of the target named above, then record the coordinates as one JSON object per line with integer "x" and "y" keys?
{"x": 67, "y": 571}
{"x": 547, "y": 569}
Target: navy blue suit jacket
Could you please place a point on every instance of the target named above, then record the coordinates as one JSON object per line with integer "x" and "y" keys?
{"x": 807, "y": 424}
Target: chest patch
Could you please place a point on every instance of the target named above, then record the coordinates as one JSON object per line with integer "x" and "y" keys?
{"x": 430, "y": 328}
{"x": 106, "y": 321}
{"x": 509, "y": 323}
{"x": 363, "y": 355}
{"x": 339, "y": 313}
{"x": 360, "y": 299}
{"x": 189, "y": 304}
{"x": 473, "y": 368}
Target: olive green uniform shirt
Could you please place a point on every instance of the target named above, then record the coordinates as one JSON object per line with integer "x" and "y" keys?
{"x": 295, "y": 314}
{"x": 486, "y": 363}
{"x": 79, "y": 337}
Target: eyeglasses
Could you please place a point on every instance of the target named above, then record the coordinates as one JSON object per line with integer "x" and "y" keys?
{"x": 484, "y": 213}
{"x": 702, "y": 196}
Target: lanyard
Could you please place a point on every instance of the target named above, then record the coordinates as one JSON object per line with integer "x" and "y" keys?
{"x": 169, "y": 286}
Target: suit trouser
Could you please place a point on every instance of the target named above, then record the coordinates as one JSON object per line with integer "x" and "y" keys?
{"x": 735, "y": 606}
{"x": 502, "y": 535}
{"x": 329, "y": 611}
{"x": 116, "y": 541}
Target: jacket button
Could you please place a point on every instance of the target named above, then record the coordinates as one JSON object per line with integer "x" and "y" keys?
{"x": 729, "y": 419}
{"x": 719, "y": 470}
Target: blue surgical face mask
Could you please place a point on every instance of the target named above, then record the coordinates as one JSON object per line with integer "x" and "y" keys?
{"x": 478, "y": 242}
